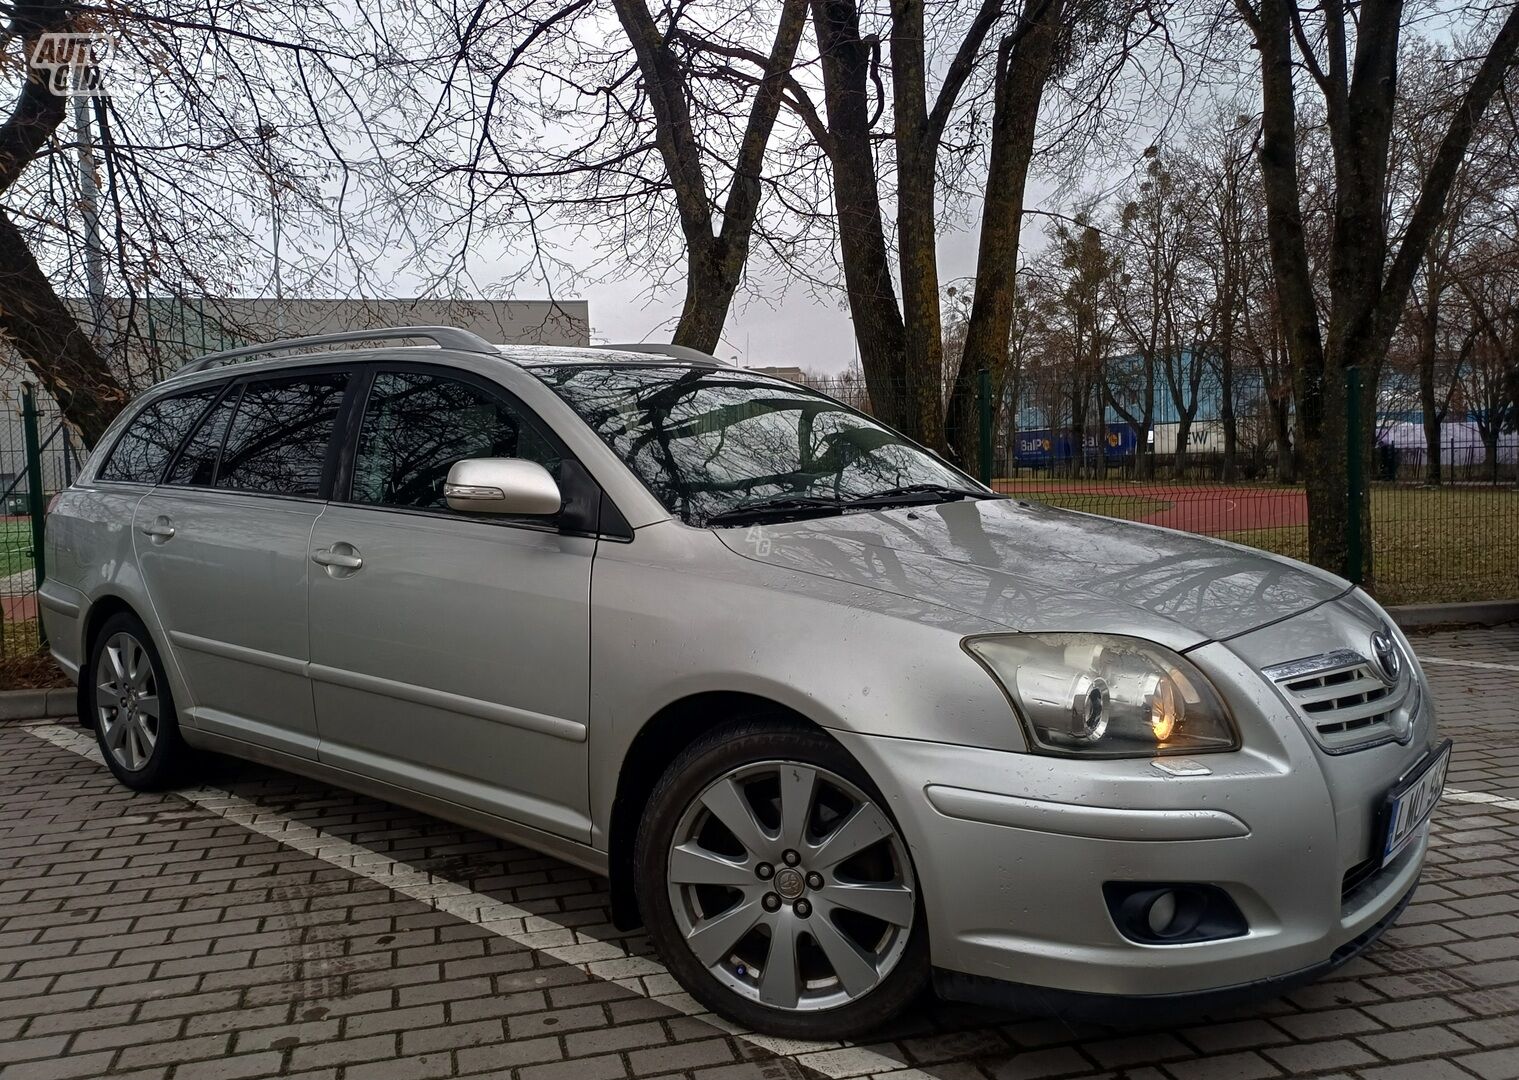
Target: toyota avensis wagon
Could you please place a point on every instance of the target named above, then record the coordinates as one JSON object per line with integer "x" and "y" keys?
{"x": 834, "y": 719}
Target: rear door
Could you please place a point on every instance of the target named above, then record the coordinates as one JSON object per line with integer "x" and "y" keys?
{"x": 223, "y": 550}
{"x": 89, "y": 540}
{"x": 450, "y": 652}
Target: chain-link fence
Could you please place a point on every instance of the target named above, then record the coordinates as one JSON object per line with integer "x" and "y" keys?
{"x": 1445, "y": 525}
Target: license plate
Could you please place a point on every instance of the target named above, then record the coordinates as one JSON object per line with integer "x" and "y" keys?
{"x": 1410, "y": 803}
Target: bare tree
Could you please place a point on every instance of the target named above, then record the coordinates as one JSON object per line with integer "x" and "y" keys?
{"x": 1219, "y": 160}
{"x": 716, "y": 254}
{"x": 1027, "y": 56}
{"x": 901, "y": 346}
{"x": 1166, "y": 303}
{"x": 1074, "y": 277}
{"x": 1489, "y": 283}
{"x": 32, "y": 315}
{"x": 145, "y": 208}
{"x": 1351, "y": 55}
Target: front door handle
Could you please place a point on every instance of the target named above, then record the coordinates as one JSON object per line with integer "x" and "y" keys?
{"x": 338, "y": 558}
{"x": 160, "y": 530}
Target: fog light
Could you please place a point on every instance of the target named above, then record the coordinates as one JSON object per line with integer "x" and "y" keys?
{"x": 1162, "y": 913}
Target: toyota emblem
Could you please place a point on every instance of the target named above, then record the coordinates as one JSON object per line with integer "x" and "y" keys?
{"x": 1386, "y": 652}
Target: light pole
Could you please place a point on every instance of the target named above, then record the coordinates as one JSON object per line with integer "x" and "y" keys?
{"x": 89, "y": 203}
{"x": 267, "y": 134}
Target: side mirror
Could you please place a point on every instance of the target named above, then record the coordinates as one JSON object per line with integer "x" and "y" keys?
{"x": 501, "y": 486}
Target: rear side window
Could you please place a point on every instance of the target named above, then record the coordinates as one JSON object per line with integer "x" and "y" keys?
{"x": 279, "y": 437}
{"x": 417, "y": 425}
{"x": 196, "y": 464}
{"x": 152, "y": 436}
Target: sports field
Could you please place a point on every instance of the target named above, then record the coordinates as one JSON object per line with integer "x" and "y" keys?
{"x": 15, "y": 545}
{"x": 1431, "y": 545}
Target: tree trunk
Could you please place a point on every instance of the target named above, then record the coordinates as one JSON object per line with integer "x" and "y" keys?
{"x": 51, "y": 341}
{"x": 714, "y": 263}
{"x": 878, "y": 326}
{"x": 917, "y": 220}
{"x": 41, "y": 328}
{"x": 1230, "y": 421}
{"x": 1369, "y": 293}
{"x": 1024, "y": 61}
{"x": 710, "y": 285}
{"x": 1319, "y": 392}
{"x": 1281, "y": 424}
{"x": 1183, "y": 438}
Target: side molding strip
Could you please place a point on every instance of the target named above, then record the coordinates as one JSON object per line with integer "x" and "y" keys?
{"x": 559, "y": 728}
{"x": 553, "y": 726}
{"x": 286, "y": 665}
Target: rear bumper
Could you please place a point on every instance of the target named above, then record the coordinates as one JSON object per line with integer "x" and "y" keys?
{"x": 61, "y": 609}
{"x": 1121, "y": 1010}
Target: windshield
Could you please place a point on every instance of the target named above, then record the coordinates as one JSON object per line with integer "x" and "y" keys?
{"x": 707, "y": 442}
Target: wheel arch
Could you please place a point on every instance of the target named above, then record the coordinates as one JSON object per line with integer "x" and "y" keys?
{"x": 96, "y": 615}
{"x": 664, "y": 735}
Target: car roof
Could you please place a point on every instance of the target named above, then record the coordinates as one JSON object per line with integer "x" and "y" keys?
{"x": 251, "y": 360}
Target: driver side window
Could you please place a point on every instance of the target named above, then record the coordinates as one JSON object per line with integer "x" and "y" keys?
{"x": 416, "y": 425}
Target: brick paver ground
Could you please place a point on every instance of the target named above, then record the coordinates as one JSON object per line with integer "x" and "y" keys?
{"x": 265, "y": 925}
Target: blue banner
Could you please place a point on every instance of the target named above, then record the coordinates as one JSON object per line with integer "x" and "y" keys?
{"x": 1043, "y": 446}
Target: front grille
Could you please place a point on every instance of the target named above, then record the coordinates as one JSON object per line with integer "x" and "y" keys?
{"x": 1345, "y": 700}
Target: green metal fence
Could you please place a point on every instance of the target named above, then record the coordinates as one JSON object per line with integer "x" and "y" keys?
{"x": 1079, "y": 441}
{"x": 39, "y": 456}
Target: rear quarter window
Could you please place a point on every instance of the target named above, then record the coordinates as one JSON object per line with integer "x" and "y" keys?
{"x": 152, "y": 436}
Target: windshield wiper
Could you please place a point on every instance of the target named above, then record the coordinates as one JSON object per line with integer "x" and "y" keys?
{"x": 916, "y": 495}
{"x": 800, "y": 506}
{"x": 782, "y": 506}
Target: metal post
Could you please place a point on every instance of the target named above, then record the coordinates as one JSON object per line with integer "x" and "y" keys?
{"x": 984, "y": 399}
{"x": 34, "y": 500}
{"x": 1354, "y": 554}
{"x": 68, "y": 454}
{"x": 89, "y": 201}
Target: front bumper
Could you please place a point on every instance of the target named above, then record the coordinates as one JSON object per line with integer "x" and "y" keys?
{"x": 1151, "y": 1009}
{"x": 1012, "y": 883}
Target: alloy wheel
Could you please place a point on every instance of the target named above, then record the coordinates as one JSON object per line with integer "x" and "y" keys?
{"x": 791, "y": 886}
{"x": 126, "y": 701}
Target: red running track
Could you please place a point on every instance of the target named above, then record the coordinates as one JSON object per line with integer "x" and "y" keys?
{"x": 1214, "y": 509}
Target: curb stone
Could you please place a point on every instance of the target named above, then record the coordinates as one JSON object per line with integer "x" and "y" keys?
{"x": 1480, "y": 612}
{"x": 37, "y": 704}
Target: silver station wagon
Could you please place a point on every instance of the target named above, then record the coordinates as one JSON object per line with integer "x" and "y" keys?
{"x": 837, "y": 722}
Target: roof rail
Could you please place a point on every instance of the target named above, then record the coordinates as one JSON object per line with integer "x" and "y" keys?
{"x": 678, "y": 352}
{"x": 447, "y": 337}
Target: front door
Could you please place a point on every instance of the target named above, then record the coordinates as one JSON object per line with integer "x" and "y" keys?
{"x": 450, "y": 652}
{"x": 222, "y": 544}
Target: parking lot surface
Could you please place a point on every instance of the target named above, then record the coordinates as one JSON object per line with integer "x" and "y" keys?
{"x": 264, "y": 925}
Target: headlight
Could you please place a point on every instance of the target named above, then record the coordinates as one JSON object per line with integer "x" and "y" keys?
{"x": 1104, "y": 696}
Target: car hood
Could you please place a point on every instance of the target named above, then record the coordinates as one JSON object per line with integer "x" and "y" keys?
{"x": 1032, "y": 567}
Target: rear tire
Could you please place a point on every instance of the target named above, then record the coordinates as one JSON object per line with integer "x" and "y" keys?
{"x": 128, "y": 698}
{"x": 736, "y": 844}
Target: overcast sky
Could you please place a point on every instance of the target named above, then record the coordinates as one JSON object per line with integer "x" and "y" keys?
{"x": 785, "y": 327}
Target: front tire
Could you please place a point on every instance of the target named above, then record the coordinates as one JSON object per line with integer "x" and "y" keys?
{"x": 133, "y": 709}
{"x": 776, "y": 886}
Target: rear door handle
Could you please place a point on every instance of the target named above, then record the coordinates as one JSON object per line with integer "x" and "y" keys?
{"x": 161, "y": 529}
{"x": 339, "y": 557}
